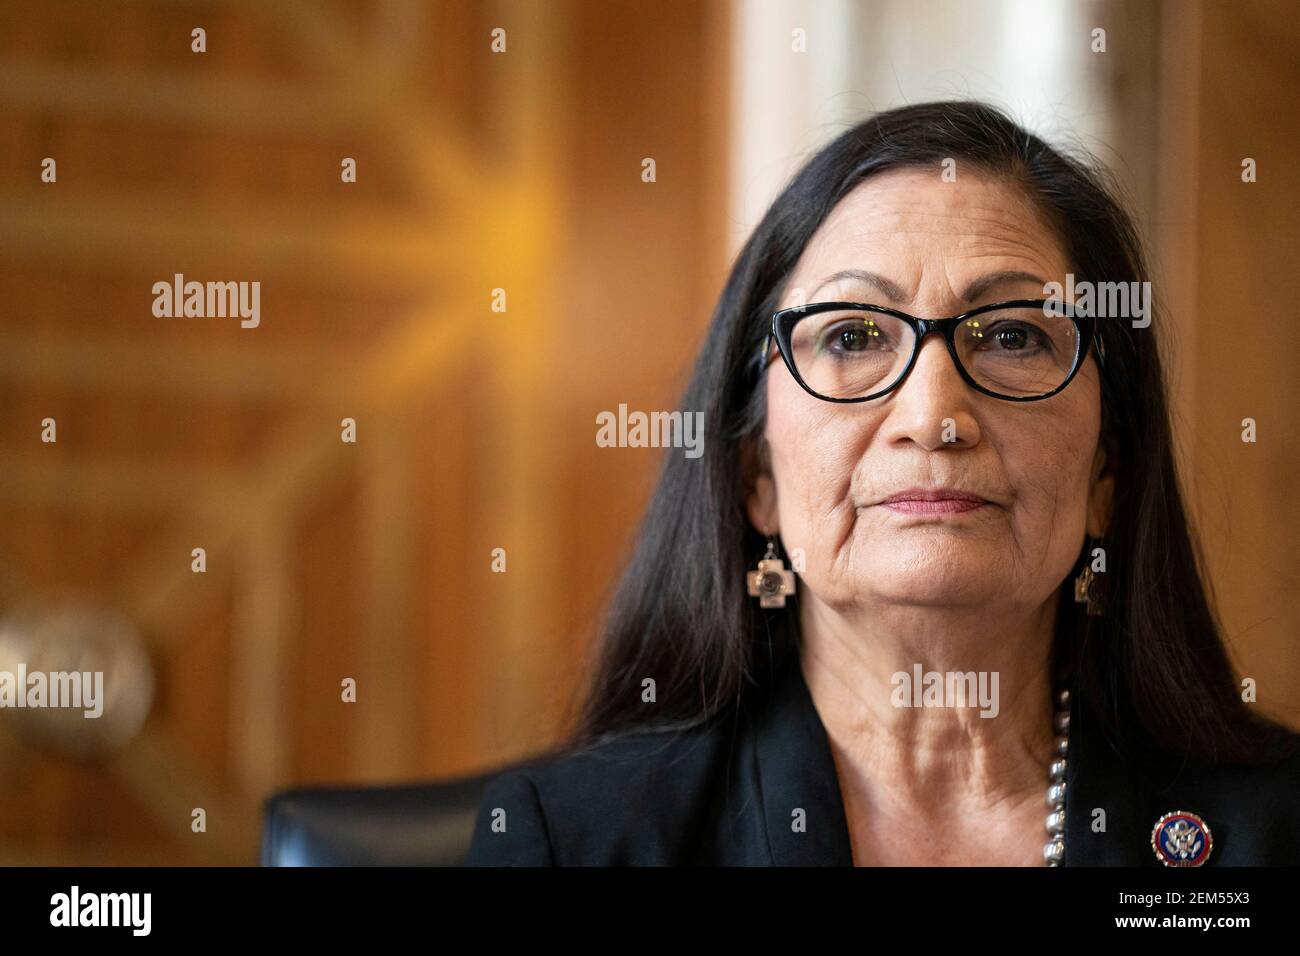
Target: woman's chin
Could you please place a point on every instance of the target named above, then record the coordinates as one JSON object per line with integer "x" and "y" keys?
{"x": 932, "y": 575}
{"x": 924, "y": 594}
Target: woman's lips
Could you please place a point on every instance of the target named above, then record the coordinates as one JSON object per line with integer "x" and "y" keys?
{"x": 933, "y": 502}
{"x": 940, "y": 507}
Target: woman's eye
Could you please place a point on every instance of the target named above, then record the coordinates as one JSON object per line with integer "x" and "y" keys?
{"x": 1017, "y": 337}
{"x": 1012, "y": 338}
{"x": 853, "y": 339}
{"x": 857, "y": 337}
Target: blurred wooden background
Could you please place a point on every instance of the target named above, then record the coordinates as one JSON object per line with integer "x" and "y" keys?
{"x": 476, "y": 171}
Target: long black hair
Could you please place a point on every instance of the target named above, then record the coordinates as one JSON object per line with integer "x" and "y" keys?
{"x": 1153, "y": 668}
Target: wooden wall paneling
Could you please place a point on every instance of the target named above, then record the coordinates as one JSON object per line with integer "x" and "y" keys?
{"x": 1246, "y": 337}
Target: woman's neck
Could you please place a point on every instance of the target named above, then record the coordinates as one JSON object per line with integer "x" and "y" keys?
{"x": 970, "y": 746}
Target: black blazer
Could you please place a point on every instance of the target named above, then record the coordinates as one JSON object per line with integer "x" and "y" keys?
{"x": 726, "y": 793}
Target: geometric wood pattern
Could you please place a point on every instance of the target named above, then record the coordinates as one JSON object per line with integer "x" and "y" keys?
{"x": 475, "y": 429}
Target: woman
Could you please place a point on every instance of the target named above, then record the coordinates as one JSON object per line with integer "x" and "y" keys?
{"x": 986, "y": 504}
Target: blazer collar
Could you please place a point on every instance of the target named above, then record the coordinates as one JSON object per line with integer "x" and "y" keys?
{"x": 795, "y": 768}
{"x": 796, "y": 772}
{"x": 1132, "y": 791}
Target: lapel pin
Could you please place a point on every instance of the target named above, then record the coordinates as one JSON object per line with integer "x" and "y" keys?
{"x": 1181, "y": 839}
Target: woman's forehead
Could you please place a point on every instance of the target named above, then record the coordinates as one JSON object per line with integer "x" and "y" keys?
{"x": 910, "y": 228}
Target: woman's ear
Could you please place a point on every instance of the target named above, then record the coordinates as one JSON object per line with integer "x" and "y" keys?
{"x": 760, "y": 489}
{"x": 1101, "y": 491}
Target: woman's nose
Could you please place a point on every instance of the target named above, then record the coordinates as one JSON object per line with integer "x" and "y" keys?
{"x": 934, "y": 406}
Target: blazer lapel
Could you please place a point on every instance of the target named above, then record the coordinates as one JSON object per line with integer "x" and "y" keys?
{"x": 1089, "y": 787}
{"x": 1113, "y": 800}
{"x": 803, "y": 811}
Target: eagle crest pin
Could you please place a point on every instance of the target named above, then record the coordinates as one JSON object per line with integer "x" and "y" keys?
{"x": 1181, "y": 839}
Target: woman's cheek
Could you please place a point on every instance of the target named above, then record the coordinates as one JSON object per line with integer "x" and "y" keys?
{"x": 797, "y": 511}
{"x": 1049, "y": 479}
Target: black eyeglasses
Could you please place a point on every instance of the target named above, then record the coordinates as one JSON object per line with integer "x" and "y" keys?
{"x": 1021, "y": 351}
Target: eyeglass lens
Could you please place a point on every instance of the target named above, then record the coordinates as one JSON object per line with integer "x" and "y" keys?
{"x": 1019, "y": 352}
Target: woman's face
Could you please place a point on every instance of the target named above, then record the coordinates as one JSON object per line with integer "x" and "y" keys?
{"x": 937, "y": 249}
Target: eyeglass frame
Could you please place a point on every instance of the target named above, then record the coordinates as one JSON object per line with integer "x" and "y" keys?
{"x": 1086, "y": 325}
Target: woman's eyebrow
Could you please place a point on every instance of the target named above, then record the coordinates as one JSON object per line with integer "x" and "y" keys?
{"x": 878, "y": 282}
{"x": 892, "y": 291}
{"x": 986, "y": 282}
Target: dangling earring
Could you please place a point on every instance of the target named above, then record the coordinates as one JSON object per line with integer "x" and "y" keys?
{"x": 771, "y": 582}
{"x": 1086, "y": 589}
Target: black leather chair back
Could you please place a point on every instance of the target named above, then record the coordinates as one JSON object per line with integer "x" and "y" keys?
{"x": 419, "y": 824}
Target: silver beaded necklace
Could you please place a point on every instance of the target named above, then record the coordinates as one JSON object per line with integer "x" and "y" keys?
{"x": 1054, "y": 848}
